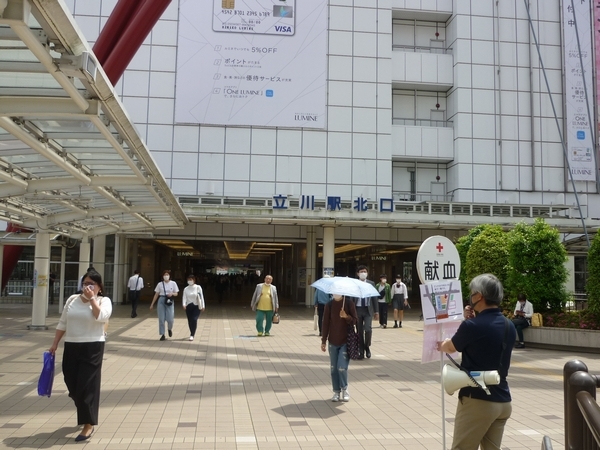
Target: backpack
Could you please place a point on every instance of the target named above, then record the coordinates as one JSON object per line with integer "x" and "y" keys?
{"x": 537, "y": 320}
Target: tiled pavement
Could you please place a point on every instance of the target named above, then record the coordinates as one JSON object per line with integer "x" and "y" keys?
{"x": 229, "y": 389}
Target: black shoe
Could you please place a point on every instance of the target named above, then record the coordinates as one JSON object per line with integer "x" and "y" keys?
{"x": 81, "y": 437}
{"x": 395, "y": 325}
{"x": 361, "y": 357}
{"x": 170, "y": 333}
{"x": 384, "y": 326}
{"x": 367, "y": 353}
{"x": 520, "y": 345}
{"x": 400, "y": 325}
{"x": 162, "y": 338}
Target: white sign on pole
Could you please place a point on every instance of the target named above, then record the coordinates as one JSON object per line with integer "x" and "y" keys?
{"x": 252, "y": 63}
{"x": 438, "y": 260}
{"x": 578, "y": 129}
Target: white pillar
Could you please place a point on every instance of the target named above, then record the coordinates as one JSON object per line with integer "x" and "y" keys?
{"x": 1, "y": 265}
{"x": 329, "y": 251}
{"x": 311, "y": 263}
{"x": 99, "y": 257}
{"x": 84, "y": 257}
{"x": 61, "y": 279}
{"x": 117, "y": 288}
{"x": 41, "y": 270}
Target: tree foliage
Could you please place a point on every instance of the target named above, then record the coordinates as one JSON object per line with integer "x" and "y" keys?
{"x": 537, "y": 266}
{"x": 463, "y": 244}
{"x": 592, "y": 286}
{"x": 488, "y": 253}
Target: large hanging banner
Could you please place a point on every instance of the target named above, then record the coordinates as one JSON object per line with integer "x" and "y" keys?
{"x": 252, "y": 62}
{"x": 578, "y": 131}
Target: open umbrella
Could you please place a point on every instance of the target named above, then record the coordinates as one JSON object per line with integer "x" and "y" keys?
{"x": 351, "y": 287}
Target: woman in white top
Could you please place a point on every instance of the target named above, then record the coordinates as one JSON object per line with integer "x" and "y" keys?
{"x": 82, "y": 326}
{"x": 193, "y": 303}
{"x": 164, "y": 292}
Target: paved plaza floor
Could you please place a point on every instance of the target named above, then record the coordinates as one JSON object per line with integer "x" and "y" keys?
{"x": 230, "y": 389}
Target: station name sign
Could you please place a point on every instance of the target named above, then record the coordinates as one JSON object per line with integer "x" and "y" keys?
{"x": 307, "y": 202}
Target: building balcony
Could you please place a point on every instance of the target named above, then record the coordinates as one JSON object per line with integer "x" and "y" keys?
{"x": 423, "y": 143}
{"x": 422, "y": 68}
{"x": 438, "y": 10}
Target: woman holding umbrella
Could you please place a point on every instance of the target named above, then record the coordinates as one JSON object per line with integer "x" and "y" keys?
{"x": 338, "y": 315}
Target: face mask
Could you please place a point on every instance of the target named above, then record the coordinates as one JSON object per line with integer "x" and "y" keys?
{"x": 383, "y": 280}
{"x": 166, "y": 277}
{"x": 362, "y": 276}
{"x": 398, "y": 281}
{"x": 190, "y": 282}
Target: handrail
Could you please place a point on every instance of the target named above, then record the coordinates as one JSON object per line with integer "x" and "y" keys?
{"x": 591, "y": 413}
{"x": 422, "y": 48}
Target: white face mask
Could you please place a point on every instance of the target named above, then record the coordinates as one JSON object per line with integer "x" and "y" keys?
{"x": 362, "y": 276}
{"x": 383, "y": 280}
{"x": 398, "y": 281}
{"x": 166, "y": 277}
{"x": 190, "y": 282}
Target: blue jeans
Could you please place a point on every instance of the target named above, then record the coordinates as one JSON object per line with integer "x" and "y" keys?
{"x": 264, "y": 316}
{"x": 167, "y": 313}
{"x": 338, "y": 357}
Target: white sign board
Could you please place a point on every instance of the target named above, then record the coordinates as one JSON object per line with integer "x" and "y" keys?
{"x": 252, "y": 63}
{"x": 578, "y": 122}
{"x": 438, "y": 260}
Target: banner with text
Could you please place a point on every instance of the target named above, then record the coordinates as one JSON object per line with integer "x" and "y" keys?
{"x": 252, "y": 62}
{"x": 579, "y": 106}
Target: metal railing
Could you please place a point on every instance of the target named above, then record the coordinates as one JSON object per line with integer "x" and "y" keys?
{"x": 421, "y": 49}
{"x": 422, "y": 122}
{"x": 582, "y": 413}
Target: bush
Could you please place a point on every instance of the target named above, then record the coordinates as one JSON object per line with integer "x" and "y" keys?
{"x": 592, "y": 286}
{"x": 463, "y": 244}
{"x": 537, "y": 266}
{"x": 584, "y": 320}
{"x": 488, "y": 253}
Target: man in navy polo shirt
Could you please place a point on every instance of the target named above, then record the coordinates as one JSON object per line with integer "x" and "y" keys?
{"x": 486, "y": 340}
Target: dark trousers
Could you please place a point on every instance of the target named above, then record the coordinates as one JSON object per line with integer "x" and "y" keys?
{"x": 82, "y": 368}
{"x": 383, "y": 309}
{"x": 520, "y": 324}
{"x": 320, "y": 311}
{"x": 363, "y": 328}
{"x": 192, "y": 312}
{"x": 134, "y": 298}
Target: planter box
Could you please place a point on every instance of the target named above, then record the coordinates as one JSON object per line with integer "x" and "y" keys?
{"x": 563, "y": 339}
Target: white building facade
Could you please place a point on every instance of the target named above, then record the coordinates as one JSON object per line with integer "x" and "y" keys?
{"x": 435, "y": 99}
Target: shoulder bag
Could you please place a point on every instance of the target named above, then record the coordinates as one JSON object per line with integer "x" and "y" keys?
{"x": 168, "y": 300}
{"x": 352, "y": 339}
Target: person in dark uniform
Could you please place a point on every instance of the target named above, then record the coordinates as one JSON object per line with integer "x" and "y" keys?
{"x": 367, "y": 309}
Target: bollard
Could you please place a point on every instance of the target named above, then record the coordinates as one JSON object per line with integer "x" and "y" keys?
{"x": 569, "y": 369}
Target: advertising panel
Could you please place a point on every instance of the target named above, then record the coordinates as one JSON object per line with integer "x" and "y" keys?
{"x": 252, "y": 62}
{"x": 579, "y": 106}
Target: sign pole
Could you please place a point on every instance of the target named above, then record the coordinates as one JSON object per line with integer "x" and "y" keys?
{"x": 443, "y": 402}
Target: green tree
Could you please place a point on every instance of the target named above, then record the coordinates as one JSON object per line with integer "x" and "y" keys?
{"x": 537, "y": 266}
{"x": 592, "y": 286}
{"x": 488, "y": 253}
{"x": 463, "y": 244}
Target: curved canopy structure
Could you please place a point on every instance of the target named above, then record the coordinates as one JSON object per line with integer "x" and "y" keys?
{"x": 71, "y": 160}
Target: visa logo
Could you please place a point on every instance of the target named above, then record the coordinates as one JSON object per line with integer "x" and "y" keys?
{"x": 283, "y": 29}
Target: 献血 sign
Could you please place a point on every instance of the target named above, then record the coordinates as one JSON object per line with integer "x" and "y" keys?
{"x": 438, "y": 260}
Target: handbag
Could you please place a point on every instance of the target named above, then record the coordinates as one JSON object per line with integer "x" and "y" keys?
{"x": 352, "y": 340}
{"x": 168, "y": 300}
{"x": 316, "y": 322}
{"x": 276, "y": 318}
{"x": 47, "y": 376}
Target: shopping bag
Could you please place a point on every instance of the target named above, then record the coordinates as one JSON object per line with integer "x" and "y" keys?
{"x": 47, "y": 376}
{"x": 316, "y": 322}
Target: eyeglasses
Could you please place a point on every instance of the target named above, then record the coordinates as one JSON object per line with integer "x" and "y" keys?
{"x": 89, "y": 284}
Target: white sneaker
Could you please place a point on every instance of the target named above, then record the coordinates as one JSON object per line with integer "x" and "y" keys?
{"x": 336, "y": 397}
{"x": 345, "y": 396}
{"x": 191, "y": 338}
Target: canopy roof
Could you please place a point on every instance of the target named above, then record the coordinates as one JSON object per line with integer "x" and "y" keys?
{"x": 71, "y": 160}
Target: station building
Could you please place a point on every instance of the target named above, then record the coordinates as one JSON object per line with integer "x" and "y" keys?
{"x": 292, "y": 137}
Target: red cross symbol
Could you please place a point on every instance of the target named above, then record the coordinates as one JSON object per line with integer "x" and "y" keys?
{"x": 439, "y": 247}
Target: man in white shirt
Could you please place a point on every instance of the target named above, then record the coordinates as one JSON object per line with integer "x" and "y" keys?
{"x": 522, "y": 319}
{"x": 135, "y": 285}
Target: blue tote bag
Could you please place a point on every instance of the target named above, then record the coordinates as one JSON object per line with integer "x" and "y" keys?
{"x": 47, "y": 376}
